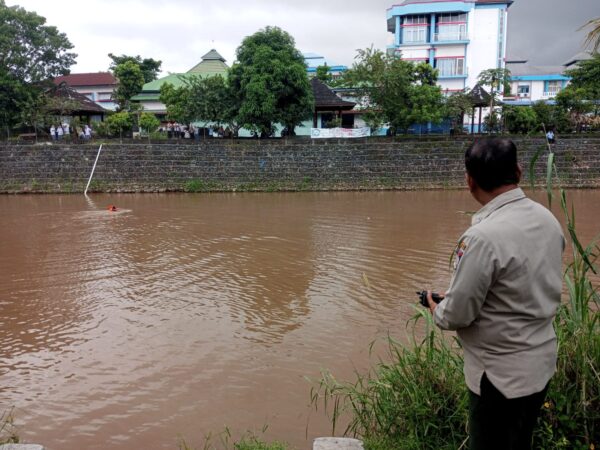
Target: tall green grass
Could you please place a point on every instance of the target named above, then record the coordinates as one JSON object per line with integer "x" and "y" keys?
{"x": 416, "y": 398}
{"x": 570, "y": 417}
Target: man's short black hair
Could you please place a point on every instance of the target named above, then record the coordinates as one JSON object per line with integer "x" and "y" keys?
{"x": 492, "y": 162}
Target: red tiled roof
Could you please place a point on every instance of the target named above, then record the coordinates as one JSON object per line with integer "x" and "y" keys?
{"x": 87, "y": 79}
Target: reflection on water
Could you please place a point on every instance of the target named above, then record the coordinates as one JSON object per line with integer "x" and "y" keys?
{"x": 180, "y": 314}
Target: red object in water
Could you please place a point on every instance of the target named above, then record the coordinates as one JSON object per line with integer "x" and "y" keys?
{"x": 112, "y": 208}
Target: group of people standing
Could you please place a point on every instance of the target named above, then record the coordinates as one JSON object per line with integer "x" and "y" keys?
{"x": 63, "y": 131}
{"x": 178, "y": 131}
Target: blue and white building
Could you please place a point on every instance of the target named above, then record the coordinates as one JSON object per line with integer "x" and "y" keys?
{"x": 460, "y": 38}
{"x": 314, "y": 60}
{"x": 531, "y": 83}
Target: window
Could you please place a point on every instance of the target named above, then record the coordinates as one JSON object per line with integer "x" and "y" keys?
{"x": 452, "y": 17}
{"x": 554, "y": 87}
{"x": 449, "y": 67}
{"x": 415, "y": 20}
{"x": 103, "y": 96}
{"x": 523, "y": 90}
{"x": 451, "y": 27}
{"x": 414, "y": 29}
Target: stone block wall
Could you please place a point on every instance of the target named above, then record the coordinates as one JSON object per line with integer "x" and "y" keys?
{"x": 272, "y": 165}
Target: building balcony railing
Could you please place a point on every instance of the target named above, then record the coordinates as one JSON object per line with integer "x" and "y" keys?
{"x": 550, "y": 93}
{"x": 456, "y": 74}
{"x": 451, "y": 36}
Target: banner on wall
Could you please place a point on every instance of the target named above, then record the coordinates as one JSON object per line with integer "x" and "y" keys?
{"x": 324, "y": 133}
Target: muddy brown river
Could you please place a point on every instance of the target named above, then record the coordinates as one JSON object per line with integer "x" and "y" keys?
{"x": 179, "y": 315}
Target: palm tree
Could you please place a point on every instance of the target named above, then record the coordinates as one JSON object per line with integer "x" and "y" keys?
{"x": 593, "y": 37}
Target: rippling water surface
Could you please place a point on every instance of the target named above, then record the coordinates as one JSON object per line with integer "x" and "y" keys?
{"x": 179, "y": 315}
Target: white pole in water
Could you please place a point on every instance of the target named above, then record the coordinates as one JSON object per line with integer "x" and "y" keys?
{"x": 93, "y": 168}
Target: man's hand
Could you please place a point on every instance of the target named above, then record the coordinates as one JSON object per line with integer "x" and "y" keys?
{"x": 432, "y": 304}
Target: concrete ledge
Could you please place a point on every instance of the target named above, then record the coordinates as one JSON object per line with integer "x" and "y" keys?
{"x": 334, "y": 443}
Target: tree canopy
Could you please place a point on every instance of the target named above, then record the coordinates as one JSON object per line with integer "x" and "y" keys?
{"x": 207, "y": 99}
{"x": 130, "y": 82}
{"x": 586, "y": 76}
{"x": 270, "y": 80}
{"x": 149, "y": 67}
{"x": 31, "y": 53}
{"x": 393, "y": 90}
{"x": 593, "y": 36}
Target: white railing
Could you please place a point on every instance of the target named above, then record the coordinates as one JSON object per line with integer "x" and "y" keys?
{"x": 450, "y": 36}
{"x": 551, "y": 92}
{"x": 453, "y": 73}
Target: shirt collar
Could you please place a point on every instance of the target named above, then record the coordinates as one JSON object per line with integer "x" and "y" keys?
{"x": 497, "y": 203}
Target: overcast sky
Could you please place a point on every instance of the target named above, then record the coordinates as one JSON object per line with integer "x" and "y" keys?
{"x": 179, "y": 32}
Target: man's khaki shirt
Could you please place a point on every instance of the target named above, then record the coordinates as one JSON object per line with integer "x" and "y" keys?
{"x": 504, "y": 295}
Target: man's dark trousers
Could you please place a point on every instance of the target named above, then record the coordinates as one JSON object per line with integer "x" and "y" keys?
{"x": 498, "y": 423}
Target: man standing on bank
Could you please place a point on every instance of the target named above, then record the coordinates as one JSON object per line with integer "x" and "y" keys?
{"x": 502, "y": 300}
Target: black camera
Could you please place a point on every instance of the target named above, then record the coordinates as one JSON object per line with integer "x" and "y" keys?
{"x": 423, "y": 298}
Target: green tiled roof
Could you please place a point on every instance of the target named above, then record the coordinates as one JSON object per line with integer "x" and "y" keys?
{"x": 174, "y": 79}
{"x": 212, "y": 64}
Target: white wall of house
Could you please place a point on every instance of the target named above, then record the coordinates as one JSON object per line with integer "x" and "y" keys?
{"x": 154, "y": 107}
{"x": 102, "y": 95}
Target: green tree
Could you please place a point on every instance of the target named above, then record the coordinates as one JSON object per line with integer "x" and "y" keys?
{"x": 31, "y": 53}
{"x": 149, "y": 123}
{"x": 119, "y": 122}
{"x": 550, "y": 116}
{"x": 519, "y": 119}
{"x": 456, "y": 106}
{"x": 399, "y": 92}
{"x": 130, "y": 82}
{"x": 593, "y": 37}
{"x": 150, "y": 67}
{"x": 586, "y": 77}
{"x": 323, "y": 74}
{"x": 574, "y": 103}
{"x": 498, "y": 80}
{"x": 180, "y": 107}
{"x": 270, "y": 80}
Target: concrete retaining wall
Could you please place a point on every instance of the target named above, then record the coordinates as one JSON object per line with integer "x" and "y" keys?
{"x": 226, "y": 165}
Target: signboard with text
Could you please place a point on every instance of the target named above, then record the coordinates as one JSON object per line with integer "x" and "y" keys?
{"x": 324, "y": 133}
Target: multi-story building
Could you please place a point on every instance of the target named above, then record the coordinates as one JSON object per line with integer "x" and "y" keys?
{"x": 533, "y": 83}
{"x": 460, "y": 38}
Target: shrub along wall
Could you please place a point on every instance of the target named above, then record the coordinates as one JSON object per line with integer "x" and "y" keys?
{"x": 299, "y": 164}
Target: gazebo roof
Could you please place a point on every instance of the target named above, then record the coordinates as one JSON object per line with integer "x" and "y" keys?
{"x": 479, "y": 96}
{"x": 326, "y": 98}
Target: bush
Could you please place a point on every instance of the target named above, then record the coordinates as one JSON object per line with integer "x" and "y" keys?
{"x": 520, "y": 119}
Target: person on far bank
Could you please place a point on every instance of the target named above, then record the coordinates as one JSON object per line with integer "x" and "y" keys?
{"x": 502, "y": 300}
{"x": 550, "y": 136}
